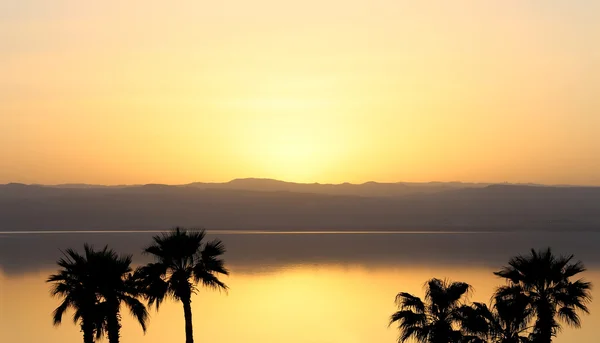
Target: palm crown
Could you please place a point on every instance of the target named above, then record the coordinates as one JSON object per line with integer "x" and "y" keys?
{"x": 115, "y": 286}
{"x": 94, "y": 285}
{"x": 545, "y": 281}
{"x": 436, "y": 319}
{"x": 182, "y": 261}
{"x": 506, "y": 321}
{"x": 72, "y": 283}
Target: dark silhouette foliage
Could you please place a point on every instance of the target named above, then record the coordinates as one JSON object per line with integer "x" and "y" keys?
{"x": 538, "y": 295}
{"x": 544, "y": 279}
{"x": 95, "y": 285}
{"x": 183, "y": 260}
{"x": 434, "y": 320}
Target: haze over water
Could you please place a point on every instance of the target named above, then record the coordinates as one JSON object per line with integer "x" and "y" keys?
{"x": 286, "y": 287}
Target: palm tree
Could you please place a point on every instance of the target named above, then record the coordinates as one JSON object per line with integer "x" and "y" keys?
{"x": 505, "y": 322}
{"x": 182, "y": 261}
{"x": 94, "y": 285}
{"x": 544, "y": 280}
{"x": 112, "y": 277}
{"x": 74, "y": 284}
{"x": 436, "y": 319}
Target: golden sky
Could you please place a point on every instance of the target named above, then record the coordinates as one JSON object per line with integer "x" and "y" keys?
{"x": 117, "y": 92}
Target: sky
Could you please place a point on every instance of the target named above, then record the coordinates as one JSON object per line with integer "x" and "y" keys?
{"x": 121, "y": 92}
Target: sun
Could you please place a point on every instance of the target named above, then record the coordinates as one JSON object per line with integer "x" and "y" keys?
{"x": 294, "y": 157}
{"x": 289, "y": 146}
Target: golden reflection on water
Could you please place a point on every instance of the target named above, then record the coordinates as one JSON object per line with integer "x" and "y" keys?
{"x": 299, "y": 303}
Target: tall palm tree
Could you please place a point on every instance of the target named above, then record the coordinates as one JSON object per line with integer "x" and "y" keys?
{"x": 113, "y": 280}
{"x": 505, "y": 322}
{"x": 74, "y": 283}
{"x": 183, "y": 260}
{"x": 435, "y": 320}
{"x": 545, "y": 280}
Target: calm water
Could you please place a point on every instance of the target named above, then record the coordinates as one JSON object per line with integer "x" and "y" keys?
{"x": 299, "y": 287}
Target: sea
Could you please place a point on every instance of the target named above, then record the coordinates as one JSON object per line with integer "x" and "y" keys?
{"x": 286, "y": 287}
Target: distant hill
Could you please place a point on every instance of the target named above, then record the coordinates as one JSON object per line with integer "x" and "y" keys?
{"x": 369, "y": 189}
{"x": 275, "y": 205}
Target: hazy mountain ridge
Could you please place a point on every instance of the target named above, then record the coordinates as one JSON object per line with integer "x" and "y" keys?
{"x": 369, "y": 189}
{"x": 490, "y": 207}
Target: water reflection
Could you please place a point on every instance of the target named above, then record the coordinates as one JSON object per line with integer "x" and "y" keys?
{"x": 21, "y": 253}
{"x": 286, "y": 288}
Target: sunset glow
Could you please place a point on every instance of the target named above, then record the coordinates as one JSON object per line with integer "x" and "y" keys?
{"x": 119, "y": 92}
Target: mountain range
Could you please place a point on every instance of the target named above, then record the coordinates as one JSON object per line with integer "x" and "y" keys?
{"x": 265, "y": 204}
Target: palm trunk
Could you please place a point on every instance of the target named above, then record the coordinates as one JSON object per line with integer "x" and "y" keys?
{"x": 88, "y": 332}
{"x": 187, "y": 313}
{"x": 113, "y": 327}
{"x": 544, "y": 326}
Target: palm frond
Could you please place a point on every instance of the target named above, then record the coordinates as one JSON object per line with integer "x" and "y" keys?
{"x": 408, "y": 301}
{"x": 475, "y": 320}
{"x": 420, "y": 334}
{"x": 456, "y": 290}
{"x": 60, "y": 310}
{"x": 569, "y": 316}
{"x": 137, "y": 310}
{"x": 407, "y": 318}
{"x": 209, "y": 257}
{"x": 209, "y": 280}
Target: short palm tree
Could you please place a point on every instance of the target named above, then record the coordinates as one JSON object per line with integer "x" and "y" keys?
{"x": 112, "y": 276}
{"x": 74, "y": 285}
{"x": 505, "y": 322}
{"x": 545, "y": 281}
{"x": 183, "y": 260}
{"x": 94, "y": 285}
{"x": 436, "y": 320}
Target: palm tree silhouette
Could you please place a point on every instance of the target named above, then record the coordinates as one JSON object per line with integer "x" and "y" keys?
{"x": 435, "y": 320}
{"x": 112, "y": 277}
{"x": 544, "y": 280}
{"x": 94, "y": 285}
{"x": 505, "y": 322}
{"x": 182, "y": 261}
{"x": 75, "y": 286}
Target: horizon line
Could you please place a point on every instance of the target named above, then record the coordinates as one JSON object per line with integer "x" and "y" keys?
{"x": 83, "y": 184}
